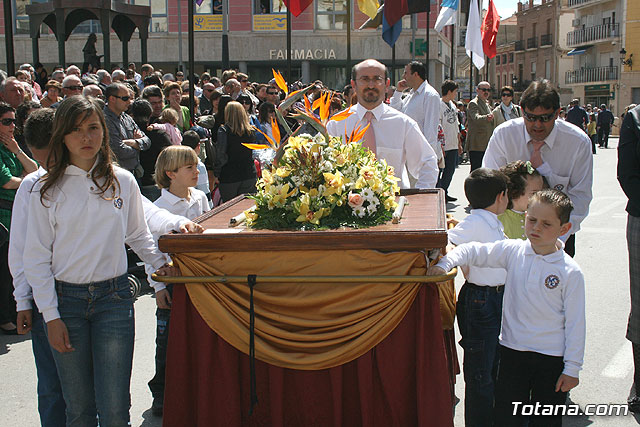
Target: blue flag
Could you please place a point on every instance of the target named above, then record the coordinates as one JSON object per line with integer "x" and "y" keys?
{"x": 390, "y": 33}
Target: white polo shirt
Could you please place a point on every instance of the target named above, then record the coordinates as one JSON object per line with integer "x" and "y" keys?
{"x": 544, "y": 298}
{"x": 484, "y": 227}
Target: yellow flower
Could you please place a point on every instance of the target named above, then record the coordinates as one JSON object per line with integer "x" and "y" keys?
{"x": 340, "y": 160}
{"x": 313, "y": 192}
{"x": 283, "y": 172}
{"x": 267, "y": 177}
{"x": 250, "y": 215}
{"x": 306, "y": 214}
{"x": 280, "y": 196}
{"x": 390, "y": 203}
{"x": 334, "y": 183}
{"x": 294, "y": 143}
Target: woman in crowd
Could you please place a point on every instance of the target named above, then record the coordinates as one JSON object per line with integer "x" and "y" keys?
{"x": 81, "y": 214}
{"x": 54, "y": 89}
{"x": 234, "y": 165}
{"x": 215, "y": 99}
{"x": 173, "y": 95}
{"x": 220, "y": 118}
{"x": 267, "y": 112}
{"x": 247, "y": 103}
{"x": 14, "y": 164}
{"x": 506, "y": 110}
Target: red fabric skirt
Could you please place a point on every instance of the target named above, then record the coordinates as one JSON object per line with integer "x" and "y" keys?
{"x": 403, "y": 381}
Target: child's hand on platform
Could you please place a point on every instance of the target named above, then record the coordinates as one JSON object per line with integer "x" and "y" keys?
{"x": 566, "y": 383}
{"x": 163, "y": 299}
{"x": 191, "y": 228}
{"x": 434, "y": 270}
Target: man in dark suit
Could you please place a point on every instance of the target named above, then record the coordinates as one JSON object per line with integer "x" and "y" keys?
{"x": 577, "y": 115}
{"x": 605, "y": 120}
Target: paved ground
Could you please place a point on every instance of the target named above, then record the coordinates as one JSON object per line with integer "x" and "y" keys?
{"x": 601, "y": 251}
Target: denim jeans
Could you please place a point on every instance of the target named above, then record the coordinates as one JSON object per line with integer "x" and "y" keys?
{"x": 50, "y": 401}
{"x": 446, "y": 174}
{"x": 156, "y": 385}
{"x": 479, "y": 312}
{"x": 95, "y": 377}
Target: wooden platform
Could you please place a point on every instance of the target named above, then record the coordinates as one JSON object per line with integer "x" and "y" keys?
{"x": 423, "y": 226}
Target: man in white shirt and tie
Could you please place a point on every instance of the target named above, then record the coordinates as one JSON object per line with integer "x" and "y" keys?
{"x": 422, "y": 103}
{"x": 560, "y": 151}
{"x": 392, "y": 136}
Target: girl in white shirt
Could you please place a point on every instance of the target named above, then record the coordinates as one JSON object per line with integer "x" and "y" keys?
{"x": 177, "y": 175}
{"x": 81, "y": 214}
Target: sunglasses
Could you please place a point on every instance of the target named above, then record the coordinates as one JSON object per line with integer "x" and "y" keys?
{"x": 507, "y": 94}
{"x": 209, "y": 90}
{"x": 124, "y": 98}
{"x": 542, "y": 117}
{"x": 484, "y": 89}
{"x": 246, "y": 102}
{"x": 73, "y": 87}
{"x": 243, "y": 81}
{"x": 8, "y": 122}
{"x": 272, "y": 93}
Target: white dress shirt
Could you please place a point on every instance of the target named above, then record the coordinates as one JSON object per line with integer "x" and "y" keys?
{"x": 195, "y": 206}
{"x": 19, "y": 217}
{"x": 398, "y": 141}
{"x": 544, "y": 303}
{"x": 480, "y": 226}
{"x": 567, "y": 157}
{"x": 423, "y": 106}
{"x": 78, "y": 236}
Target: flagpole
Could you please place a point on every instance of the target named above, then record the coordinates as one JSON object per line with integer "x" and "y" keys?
{"x": 413, "y": 35}
{"x": 393, "y": 64}
{"x": 470, "y": 73}
{"x": 453, "y": 47}
{"x": 191, "y": 70}
{"x": 348, "y": 70}
{"x": 427, "y": 50}
{"x": 289, "y": 73}
{"x": 225, "y": 35}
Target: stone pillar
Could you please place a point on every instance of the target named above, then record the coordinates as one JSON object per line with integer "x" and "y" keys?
{"x": 61, "y": 37}
{"x": 105, "y": 22}
{"x": 143, "y": 49}
{"x": 305, "y": 72}
{"x": 242, "y": 66}
{"x": 125, "y": 53}
{"x": 36, "y": 51}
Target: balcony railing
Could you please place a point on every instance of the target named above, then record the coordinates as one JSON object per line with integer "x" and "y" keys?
{"x": 532, "y": 42}
{"x": 546, "y": 40}
{"x": 588, "y": 75}
{"x": 591, "y": 34}
{"x": 574, "y": 3}
{"x": 519, "y": 45}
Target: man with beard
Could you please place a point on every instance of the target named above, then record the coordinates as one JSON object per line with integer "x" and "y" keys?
{"x": 392, "y": 135}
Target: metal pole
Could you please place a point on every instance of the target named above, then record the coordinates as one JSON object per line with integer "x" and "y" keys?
{"x": 191, "y": 71}
{"x": 453, "y": 52}
{"x": 426, "y": 62}
{"x": 347, "y": 73}
{"x": 180, "y": 65}
{"x": 225, "y": 35}
{"x": 414, "y": 25}
{"x": 8, "y": 37}
{"x": 289, "y": 72}
{"x": 470, "y": 76}
{"x": 393, "y": 65}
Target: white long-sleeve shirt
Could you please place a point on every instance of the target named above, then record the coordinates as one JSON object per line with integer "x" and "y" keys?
{"x": 423, "y": 106}
{"x": 79, "y": 237}
{"x": 399, "y": 141}
{"x": 544, "y": 302}
{"x": 568, "y": 161}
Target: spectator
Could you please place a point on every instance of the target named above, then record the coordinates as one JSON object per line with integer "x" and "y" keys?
{"x": 58, "y": 75}
{"x": 93, "y": 90}
{"x": 480, "y": 124}
{"x": 205, "y": 100}
{"x": 577, "y": 115}
{"x": 232, "y": 88}
{"x": 173, "y": 94}
{"x": 154, "y": 95}
{"x": 71, "y": 85}
{"x": 23, "y": 111}
{"x": 506, "y": 110}
{"x": 72, "y": 70}
{"x": 451, "y": 128}
{"x": 53, "y": 90}
{"x": 167, "y": 122}
{"x": 605, "y": 120}
{"x": 12, "y": 92}
{"x": 118, "y": 76}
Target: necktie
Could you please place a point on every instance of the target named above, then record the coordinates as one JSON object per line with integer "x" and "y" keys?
{"x": 369, "y": 135}
{"x": 536, "y": 156}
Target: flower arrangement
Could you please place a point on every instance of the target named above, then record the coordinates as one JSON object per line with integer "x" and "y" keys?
{"x": 322, "y": 182}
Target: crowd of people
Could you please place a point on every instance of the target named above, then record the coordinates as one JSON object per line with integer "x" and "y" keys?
{"x": 93, "y": 161}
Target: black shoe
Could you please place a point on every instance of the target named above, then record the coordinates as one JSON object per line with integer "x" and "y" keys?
{"x": 450, "y": 199}
{"x": 13, "y": 331}
{"x": 634, "y": 404}
{"x": 157, "y": 406}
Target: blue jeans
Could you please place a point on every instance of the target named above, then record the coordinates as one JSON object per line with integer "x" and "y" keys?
{"x": 446, "y": 174}
{"x": 95, "y": 377}
{"x": 50, "y": 401}
{"x": 156, "y": 385}
{"x": 479, "y": 312}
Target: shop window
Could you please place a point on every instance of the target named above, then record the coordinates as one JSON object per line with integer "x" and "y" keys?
{"x": 21, "y": 17}
{"x": 331, "y": 14}
{"x": 209, "y": 7}
{"x": 159, "y": 23}
{"x": 268, "y": 6}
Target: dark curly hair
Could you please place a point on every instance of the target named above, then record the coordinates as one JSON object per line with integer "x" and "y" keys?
{"x": 517, "y": 173}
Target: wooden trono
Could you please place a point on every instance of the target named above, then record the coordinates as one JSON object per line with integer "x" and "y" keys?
{"x": 423, "y": 226}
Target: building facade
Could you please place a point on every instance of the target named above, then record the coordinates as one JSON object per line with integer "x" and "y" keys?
{"x": 628, "y": 87}
{"x": 257, "y": 39}
{"x": 503, "y": 67}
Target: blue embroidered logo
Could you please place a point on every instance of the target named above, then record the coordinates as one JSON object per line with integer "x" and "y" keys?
{"x": 552, "y": 281}
{"x": 117, "y": 202}
{"x": 559, "y": 187}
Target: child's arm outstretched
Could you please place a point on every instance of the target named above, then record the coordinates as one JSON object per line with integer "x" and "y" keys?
{"x": 574, "y": 329}
{"x": 476, "y": 254}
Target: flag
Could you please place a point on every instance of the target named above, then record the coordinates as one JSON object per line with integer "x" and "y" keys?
{"x": 473, "y": 40}
{"x": 490, "y": 26}
{"x": 390, "y": 33}
{"x": 199, "y": 2}
{"x": 297, "y": 6}
{"x": 396, "y": 9}
{"x": 368, "y": 7}
{"x": 374, "y": 22}
{"x": 447, "y": 15}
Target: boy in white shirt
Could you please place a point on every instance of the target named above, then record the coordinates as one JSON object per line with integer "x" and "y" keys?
{"x": 177, "y": 175}
{"x": 543, "y": 323}
{"x": 479, "y": 307}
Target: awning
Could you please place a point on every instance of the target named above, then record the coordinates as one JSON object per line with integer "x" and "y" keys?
{"x": 579, "y": 50}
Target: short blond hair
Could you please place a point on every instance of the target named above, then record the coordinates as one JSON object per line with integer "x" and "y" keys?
{"x": 170, "y": 160}
{"x": 169, "y": 115}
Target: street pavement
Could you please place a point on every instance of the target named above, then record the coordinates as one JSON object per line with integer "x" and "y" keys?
{"x": 600, "y": 251}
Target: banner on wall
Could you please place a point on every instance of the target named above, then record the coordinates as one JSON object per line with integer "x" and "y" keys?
{"x": 270, "y": 22}
{"x": 207, "y": 23}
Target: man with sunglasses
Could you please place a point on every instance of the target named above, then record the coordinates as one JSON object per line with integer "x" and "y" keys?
{"x": 125, "y": 137}
{"x": 480, "y": 124}
{"x": 560, "y": 151}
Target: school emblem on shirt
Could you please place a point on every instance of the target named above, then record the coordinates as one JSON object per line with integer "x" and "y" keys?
{"x": 117, "y": 202}
{"x": 552, "y": 281}
{"x": 559, "y": 187}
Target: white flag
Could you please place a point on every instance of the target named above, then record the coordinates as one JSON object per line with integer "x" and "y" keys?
{"x": 447, "y": 15}
{"x": 473, "y": 40}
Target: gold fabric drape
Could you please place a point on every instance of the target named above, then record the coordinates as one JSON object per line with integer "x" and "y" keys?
{"x": 307, "y": 326}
